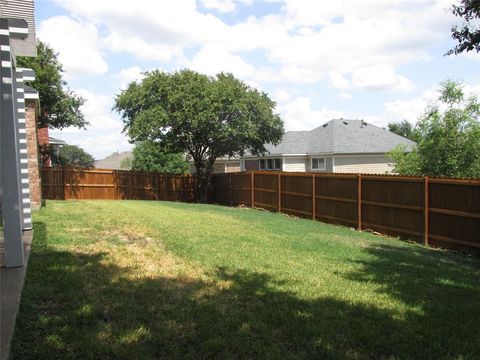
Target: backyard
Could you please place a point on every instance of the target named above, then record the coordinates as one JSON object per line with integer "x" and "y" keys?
{"x": 150, "y": 279}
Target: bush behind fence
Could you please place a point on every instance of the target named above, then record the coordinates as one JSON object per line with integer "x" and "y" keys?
{"x": 436, "y": 211}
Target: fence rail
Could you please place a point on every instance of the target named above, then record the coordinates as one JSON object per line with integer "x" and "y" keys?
{"x": 435, "y": 211}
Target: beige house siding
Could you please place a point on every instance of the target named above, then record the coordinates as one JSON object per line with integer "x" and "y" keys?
{"x": 368, "y": 164}
{"x": 295, "y": 164}
{"x": 21, "y": 9}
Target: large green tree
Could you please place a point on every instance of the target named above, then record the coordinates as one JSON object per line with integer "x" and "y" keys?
{"x": 468, "y": 34}
{"x": 60, "y": 107}
{"x": 203, "y": 117}
{"x": 74, "y": 156}
{"x": 448, "y": 137}
{"x": 149, "y": 156}
{"x": 403, "y": 128}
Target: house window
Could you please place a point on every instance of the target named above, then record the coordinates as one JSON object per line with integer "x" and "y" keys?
{"x": 270, "y": 164}
{"x": 277, "y": 165}
{"x": 318, "y": 163}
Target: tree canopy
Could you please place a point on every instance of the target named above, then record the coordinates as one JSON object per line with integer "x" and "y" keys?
{"x": 149, "y": 156}
{"x": 448, "y": 137}
{"x": 200, "y": 116}
{"x": 468, "y": 34}
{"x": 60, "y": 107}
{"x": 403, "y": 128}
{"x": 74, "y": 156}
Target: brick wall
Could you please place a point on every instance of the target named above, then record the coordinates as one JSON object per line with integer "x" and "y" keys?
{"x": 32, "y": 151}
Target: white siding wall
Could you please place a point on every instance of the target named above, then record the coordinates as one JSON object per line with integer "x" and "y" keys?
{"x": 294, "y": 164}
{"x": 369, "y": 164}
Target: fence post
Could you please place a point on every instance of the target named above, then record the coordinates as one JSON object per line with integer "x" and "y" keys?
{"x": 64, "y": 183}
{"x": 314, "y": 205}
{"x": 359, "y": 201}
{"x": 425, "y": 209}
{"x": 114, "y": 179}
{"x": 174, "y": 178}
{"x": 230, "y": 188}
{"x": 279, "y": 190}
{"x": 252, "y": 188}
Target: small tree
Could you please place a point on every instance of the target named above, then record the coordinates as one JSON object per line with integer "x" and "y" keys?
{"x": 74, "y": 156}
{"x": 448, "y": 138}
{"x": 60, "y": 107}
{"x": 203, "y": 117}
{"x": 149, "y": 156}
{"x": 403, "y": 128}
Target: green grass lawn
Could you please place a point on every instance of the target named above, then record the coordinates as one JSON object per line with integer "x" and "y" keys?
{"x": 147, "y": 280}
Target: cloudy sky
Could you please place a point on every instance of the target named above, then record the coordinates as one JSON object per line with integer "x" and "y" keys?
{"x": 376, "y": 60}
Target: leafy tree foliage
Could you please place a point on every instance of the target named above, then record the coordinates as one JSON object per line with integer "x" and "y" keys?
{"x": 74, "y": 156}
{"x": 60, "y": 107}
{"x": 403, "y": 128}
{"x": 448, "y": 138}
{"x": 203, "y": 117}
{"x": 126, "y": 164}
{"x": 149, "y": 156}
{"x": 467, "y": 35}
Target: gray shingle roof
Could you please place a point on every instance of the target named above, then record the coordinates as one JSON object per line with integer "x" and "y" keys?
{"x": 113, "y": 161}
{"x": 340, "y": 136}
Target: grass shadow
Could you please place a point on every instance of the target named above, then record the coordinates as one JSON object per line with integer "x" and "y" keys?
{"x": 76, "y": 305}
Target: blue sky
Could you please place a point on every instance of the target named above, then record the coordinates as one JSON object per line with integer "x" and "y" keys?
{"x": 375, "y": 60}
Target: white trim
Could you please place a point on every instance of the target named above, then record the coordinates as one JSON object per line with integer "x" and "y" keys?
{"x": 18, "y": 30}
{"x": 24, "y": 171}
{"x": 21, "y": 110}
{"x": 28, "y": 78}
{"x": 31, "y": 96}
{"x": 24, "y": 181}
{"x": 26, "y": 200}
{"x": 21, "y": 121}
{"x": 4, "y": 32}
{"x": 318, "y": 158}
{"x": 27, "y": 211}
{"x": 7, "y": 80}
{"x": 20, "y": 90}
{"x": 333, "y": 163}
{"x": 26, "y": 191}
{"x": 7, "y": 64}
{"x": 23, "y": 141}
{"x": 20, "y": 100}
{"x": 5, "y": 47}
{"x": 22, "y": 131}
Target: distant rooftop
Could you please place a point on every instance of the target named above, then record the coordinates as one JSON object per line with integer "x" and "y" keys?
{"x": 114, "y": 160}
{"x": 340, "y": 136}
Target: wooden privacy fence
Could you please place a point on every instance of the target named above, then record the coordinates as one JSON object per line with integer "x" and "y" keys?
{"x": 68, "y": 184}
{"x": 436, "y": 211}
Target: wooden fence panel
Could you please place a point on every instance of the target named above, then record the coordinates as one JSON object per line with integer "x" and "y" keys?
{"x": 454, "y": 212}
{"x": 52, "y": 184}
{"x": 336, "y": 199}
{"x": 296, "y": 195}
{"x": 266, "y": 190}
{"x": 241, "y": 188}
{"x": 393, "y": 206}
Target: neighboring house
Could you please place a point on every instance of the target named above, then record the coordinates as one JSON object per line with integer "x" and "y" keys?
{"x": 114, "y": 161}
{"x": 222, "y": 165}
{"x": 341, "y": 146}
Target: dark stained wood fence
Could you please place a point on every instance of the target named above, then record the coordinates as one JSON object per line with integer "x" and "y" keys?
{"x": 435, "y": 211}
{"x": 69, "y": 184}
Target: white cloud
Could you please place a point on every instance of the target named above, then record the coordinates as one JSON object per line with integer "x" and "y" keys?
{"x": 128, "y": 75}
{"x": 299, "y": 115}
{"x": 220, "y": 5}
{"x": 306, "y": 42}
{"x": 77, "y": 45}
{"x": 380, "y": 77}
{"x": 212, "y": 60}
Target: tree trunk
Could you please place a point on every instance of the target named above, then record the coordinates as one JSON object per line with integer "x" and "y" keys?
{"x": 204, "y": 176}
